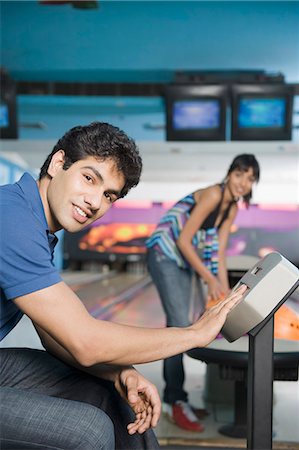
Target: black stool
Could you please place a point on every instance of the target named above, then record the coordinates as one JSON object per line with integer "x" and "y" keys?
{"x": 232, "y": 359}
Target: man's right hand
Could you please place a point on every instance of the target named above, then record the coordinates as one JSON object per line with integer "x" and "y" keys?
{"x": 210, "y": 323}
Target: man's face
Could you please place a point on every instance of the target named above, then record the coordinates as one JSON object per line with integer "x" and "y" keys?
{"x": 78, "y": 196}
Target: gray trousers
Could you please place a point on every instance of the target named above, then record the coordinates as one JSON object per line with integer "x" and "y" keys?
{"x": 174, "y": 286}
{"x": 46, "y": 404}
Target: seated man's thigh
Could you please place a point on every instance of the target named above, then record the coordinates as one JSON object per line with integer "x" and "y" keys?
{"x": 40, "y": 421}
{"x": 40, "y": 373}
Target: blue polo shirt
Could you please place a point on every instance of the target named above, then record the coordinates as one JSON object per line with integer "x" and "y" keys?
{"x": 26, "y": 248}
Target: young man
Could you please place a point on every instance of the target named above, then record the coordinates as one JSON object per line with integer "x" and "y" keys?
{"x": 77, "y": 393}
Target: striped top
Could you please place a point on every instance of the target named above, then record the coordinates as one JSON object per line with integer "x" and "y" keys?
{"x": 205, "y": 240}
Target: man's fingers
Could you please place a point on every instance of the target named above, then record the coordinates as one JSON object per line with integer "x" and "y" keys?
{"x": 132, "y": 389}
{"x": 145, "y": 425}
{"x": 141, "y": 424}
{"x": 239, "y": 292}
{"x": 231, "y": 300}
{"x": 241, "y": 289}
{"x": 155, "y": 415}
{"x": 234, "y": 297}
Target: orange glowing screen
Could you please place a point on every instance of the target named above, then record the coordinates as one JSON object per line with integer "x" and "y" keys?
{"x": 117, "y": 238}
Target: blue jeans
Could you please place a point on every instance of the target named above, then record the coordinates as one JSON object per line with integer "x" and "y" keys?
{"x": 174, "y": 286}
{"x": 46, "y": 404}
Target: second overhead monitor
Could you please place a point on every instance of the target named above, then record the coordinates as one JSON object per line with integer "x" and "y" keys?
{"x": 262, "y": 112}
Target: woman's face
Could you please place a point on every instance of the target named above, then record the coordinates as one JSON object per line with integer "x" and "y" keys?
{"x": 240, "y": 182}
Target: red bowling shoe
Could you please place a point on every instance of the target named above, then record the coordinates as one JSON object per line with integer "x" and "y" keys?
{"x": 182, "y": 415}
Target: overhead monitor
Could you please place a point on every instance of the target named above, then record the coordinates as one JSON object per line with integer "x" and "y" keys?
{"x": 195, "y": 113}
{"x": 8, "y": 107}
{"x": 262, "y": 112}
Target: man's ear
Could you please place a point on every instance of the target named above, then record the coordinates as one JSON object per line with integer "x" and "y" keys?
{"x": 56, "y": 163}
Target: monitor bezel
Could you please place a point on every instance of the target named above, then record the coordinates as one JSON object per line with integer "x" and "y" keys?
{"x": 174, "y": 93}
{"x": 240, "y": 92}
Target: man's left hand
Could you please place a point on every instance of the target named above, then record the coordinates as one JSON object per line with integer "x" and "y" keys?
{"x": 143, "y": 398}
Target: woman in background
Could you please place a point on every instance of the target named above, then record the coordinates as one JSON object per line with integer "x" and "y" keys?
{"x": 191, "y": 238}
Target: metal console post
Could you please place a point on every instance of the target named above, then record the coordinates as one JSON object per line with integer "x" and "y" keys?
{"x": 270, "y": 283}
{"x": 260, "y": 381}
{"x": 260, "y": 387}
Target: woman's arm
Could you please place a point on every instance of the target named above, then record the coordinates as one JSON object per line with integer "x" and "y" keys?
{"x": 208, "y": 201}
{"x": 223, "y": 241}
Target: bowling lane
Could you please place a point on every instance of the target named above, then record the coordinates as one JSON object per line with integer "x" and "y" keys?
{"x": 132, "y": 299}
{"x": 143, "y": 310}
{"x": 127, "y": 298}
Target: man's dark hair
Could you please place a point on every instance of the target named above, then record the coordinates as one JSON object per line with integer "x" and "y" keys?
{"x": 103, "y": 141}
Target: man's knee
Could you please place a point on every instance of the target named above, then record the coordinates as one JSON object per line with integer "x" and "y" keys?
{"x": 95, "y": 430}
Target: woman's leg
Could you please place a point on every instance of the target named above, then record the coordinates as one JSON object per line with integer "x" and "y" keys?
{"x": 200, "y": 297}
{"x": 174, "y": 287}
{"x": 38, "y": 372}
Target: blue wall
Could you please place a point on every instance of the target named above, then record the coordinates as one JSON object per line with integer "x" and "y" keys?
{"x": 48, "y": 117}
{"x": 142, "y": 118}
{"x": 122, "y": 39}
{"x": 137, "y": 41}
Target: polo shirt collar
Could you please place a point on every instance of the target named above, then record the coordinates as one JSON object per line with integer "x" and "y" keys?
{"x": 29, "y": 187}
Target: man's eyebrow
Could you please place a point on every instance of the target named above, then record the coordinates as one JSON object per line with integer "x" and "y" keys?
{"x": 95, "y": 171}
{"x": 99, "y": 176}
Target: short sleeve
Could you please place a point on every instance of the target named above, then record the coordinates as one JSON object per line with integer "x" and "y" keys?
{"x": 26, "y": 261}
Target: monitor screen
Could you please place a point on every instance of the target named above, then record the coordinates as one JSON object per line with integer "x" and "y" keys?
{"x": 8, "y": 107}
{"x": 196, "y": 114}
{"x": 4, "y": 116}
{"x": 262, "y": 112}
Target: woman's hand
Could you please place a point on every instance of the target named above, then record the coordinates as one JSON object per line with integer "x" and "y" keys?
{"x": 143, "y": 398}
{"x": 215, "y": 291}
